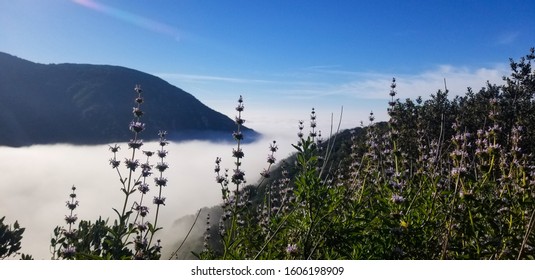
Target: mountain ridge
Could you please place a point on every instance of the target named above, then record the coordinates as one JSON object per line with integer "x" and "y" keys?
{"x": 91, "y": 104}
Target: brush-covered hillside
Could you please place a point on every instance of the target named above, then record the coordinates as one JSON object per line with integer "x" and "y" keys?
{"x": 448, "y": 177}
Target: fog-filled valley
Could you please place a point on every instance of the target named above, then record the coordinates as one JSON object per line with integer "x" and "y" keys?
{"x": 37, "y": 181}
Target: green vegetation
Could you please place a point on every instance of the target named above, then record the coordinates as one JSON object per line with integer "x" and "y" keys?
{"x": 445, "y": 178}
{"x": 448, "y": 178}
{"x": 10, "y": 240}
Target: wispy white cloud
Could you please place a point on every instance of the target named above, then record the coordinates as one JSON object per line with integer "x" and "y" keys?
{"x": 327, "y": 88}
{"x": 361, "y": 85}
{"x": 131, "y": 18}
{"x": 209, "y": 78}
{"x": 329, "y": 81}
{"x": 508, "y": 38}
{"x": 335, "y": 70}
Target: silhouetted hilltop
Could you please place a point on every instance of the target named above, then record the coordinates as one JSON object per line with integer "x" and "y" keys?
{"x": 91, "y": 104}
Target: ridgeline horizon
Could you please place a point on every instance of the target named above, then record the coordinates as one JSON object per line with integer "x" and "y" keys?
{"x": 85, "y": 104}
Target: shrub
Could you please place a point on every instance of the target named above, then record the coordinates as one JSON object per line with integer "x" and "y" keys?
{"x": 442, "y": 179}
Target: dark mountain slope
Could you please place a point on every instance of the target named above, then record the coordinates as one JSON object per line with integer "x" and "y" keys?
{"x": 91, "y": 104}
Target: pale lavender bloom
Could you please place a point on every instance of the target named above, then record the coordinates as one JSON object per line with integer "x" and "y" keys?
{"x": 273, "y": 147}
{"x": 240, "y": 106}
{"x": 72, "y": 205}
{"x": 397, "y": 198}
{"x": 292, "y": 249}
{"x": 237, "y": 135}
{"x": 271, "y": 159}
{"x": 137, "y": 127}
{"x": 146, "y": 170}
{"x": 137, "y": 112}
{"x": 162, "y": 134}
{"x": 238, "y": 176}
{"x": 162, "y": 166}
{"x": 239, "y": 120}
{"x": 162, "y": 153}
{"x": 265, "y": 173}
{"x": 71, "y": 219}
{"x": 142, "y": 226}
{"x": 163, "y": 143}
{"x": 159, "y": 200}
{"x": 456, "y": 171}
{"x": 237, "y": 153}
{"x": 114, "y": 148}
{"x": 70, "y": 234}
{"x": 143, "y": 210}
{"x": 162, "y": 182}
{"x": 143, "y": 188}
{"x": 68, "y": 252}
{"x": 148, "y": 153}
{"x": 220, "y": 179}
{"x": 114, "y": 163}
{"x": 132, "y": 164}
{"x": 135, "y": 144}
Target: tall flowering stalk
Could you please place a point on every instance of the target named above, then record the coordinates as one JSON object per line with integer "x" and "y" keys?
{"x": 131, "y": 234}
{"x": 143, "y": 229}
{"x": 65, "y": 238}
{"x": 136, "y": 127}
{"x": 238, "y": 226}
{"x": 233, "y": 200}
{"x": 160, "y": 181}
{"x": 130, "y": 182}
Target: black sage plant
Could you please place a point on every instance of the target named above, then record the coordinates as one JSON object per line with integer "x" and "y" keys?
{"x": 132, "y": 234}
{"x": 446, "y": 178}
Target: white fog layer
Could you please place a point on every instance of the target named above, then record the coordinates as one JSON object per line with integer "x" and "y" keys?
{"x": 37, "y": 181}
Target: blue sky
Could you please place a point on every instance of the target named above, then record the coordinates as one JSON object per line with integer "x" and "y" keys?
{"x": 283, "y": 56}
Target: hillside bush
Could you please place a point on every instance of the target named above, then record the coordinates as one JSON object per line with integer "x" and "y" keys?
{"x": 448, "y": 178}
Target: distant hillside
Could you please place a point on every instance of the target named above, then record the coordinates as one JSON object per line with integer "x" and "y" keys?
{"x": 340, "y": 149}
{"x": 92, "y": 104}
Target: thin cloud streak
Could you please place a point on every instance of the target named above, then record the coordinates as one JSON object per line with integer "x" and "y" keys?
{"x": 318, "y": 82}
{"x": 508, "y": 38}
{"x": 134, "y": 19}
{"x": 376, "y": 86}
{"x": 201, "y": 78}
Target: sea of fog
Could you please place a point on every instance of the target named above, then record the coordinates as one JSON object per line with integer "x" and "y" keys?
{"x": 37, "y": 180}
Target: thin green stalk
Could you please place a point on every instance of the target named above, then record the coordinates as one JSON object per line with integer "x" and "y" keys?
{"x": 528, "y": 232}
{"x": 274, "y": 233}
{"x": 187, "y": 235}
{"x": 129, "y": 185}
